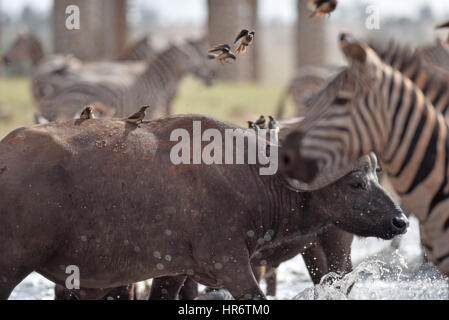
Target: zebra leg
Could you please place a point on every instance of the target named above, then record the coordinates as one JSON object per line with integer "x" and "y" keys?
{"x": 169, "y": 106}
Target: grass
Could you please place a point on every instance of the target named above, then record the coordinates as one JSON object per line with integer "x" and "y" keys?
{"x": 232, "y": 101}
{"x": 16, "y": 104}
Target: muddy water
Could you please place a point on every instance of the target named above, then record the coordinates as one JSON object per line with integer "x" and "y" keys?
{"x": 380, "y": 272}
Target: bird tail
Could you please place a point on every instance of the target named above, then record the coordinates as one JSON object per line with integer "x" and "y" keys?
{"x": 211, "y": 56}
{"x": 280, "y": 110}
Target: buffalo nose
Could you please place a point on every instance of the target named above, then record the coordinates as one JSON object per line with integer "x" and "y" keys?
{"x": 400, "y": 223}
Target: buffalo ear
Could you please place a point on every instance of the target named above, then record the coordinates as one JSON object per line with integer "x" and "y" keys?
{"x": 291, "y": 162}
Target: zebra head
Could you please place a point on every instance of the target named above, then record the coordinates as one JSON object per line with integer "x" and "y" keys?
{"x": 26, "y": 46}
{"x": 198, "y": 64}
{"x": 345, "y": 120}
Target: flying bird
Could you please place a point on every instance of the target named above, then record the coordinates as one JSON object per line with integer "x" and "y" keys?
{"x": 246, "y": 38}
{"x": 261, "y": 122}
{"x": 321, "y": 7}
{"x": 138, "y": 117}
{"x": 441, "y": 26}
{"x": 221, "y": 52}
{"x": 273, "y": 124}
{"x": 87, "y": 113}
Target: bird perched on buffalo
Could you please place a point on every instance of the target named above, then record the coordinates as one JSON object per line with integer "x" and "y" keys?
{"x": 441, "y": 26}
{"x": 273, "y": 124}
{"x": 137, "y": 117}
{"x": 252, "y": 125}
{"x": 321, "y": 7}
{"x": 221, "y": 52}
{"x": 246, "y": 38}
{"x": 88, "y": 113}
{"x": 261, "y": 122}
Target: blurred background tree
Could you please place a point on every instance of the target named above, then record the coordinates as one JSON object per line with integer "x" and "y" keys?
{"x": 102, "y": 33}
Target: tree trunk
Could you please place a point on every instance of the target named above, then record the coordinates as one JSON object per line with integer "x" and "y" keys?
{"x": 310, "y": 38}
{"x": 225, "y": 21}
{"x": 102, "y": 32}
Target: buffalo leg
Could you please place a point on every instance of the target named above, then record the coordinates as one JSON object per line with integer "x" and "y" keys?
{"x": 336, "y": 244}
{"x": 242, "y": 284}
{"x": 189, "y": 290}
{"x": 271, "y": 279}
{"x": 316, "y": 262}
{"x": 166, "y": 288}
{"x": 119, "y": 293}
{"x": 10, "y": 277}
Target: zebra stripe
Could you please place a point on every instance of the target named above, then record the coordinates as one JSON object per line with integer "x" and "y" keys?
{"x": 411, "y": 140}
{"x": 139, "y": 50}
{"x": 436, "y": 55}
{"x": 432, "y": 80}
{"x": 156, "y": 86}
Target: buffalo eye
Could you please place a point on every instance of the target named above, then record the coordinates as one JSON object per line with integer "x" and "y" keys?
{"x": 358, "y": 186}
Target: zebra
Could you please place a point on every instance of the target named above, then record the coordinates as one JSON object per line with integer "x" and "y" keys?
{"x": 53, "y": 72}
{"x": 370, "y": 106}
{"x": 431, "y": 79}
{"x": 156, "y": 86}
{"x": 306, "y": 81}
{"x": 437, "y": 55}
{"x": 28, "y": 46}
{"x": 139, "y": 50}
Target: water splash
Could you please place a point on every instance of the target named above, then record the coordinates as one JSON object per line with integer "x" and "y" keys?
{"x": 334, "y": 287}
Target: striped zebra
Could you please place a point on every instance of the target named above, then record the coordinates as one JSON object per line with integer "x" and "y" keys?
{"x": 437, "y": 55}
{"x": 370, "y": 106}
{"x": 306, "y": 81}
{"x": 432, "y": 80}
{"x": 139, "y": 50}
{"x": 156, "y": 86}
{"x": 53, "y": 72}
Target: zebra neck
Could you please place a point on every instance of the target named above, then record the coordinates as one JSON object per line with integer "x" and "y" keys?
{"x": 416, "y": 155}
{"x": 36, "y": 52}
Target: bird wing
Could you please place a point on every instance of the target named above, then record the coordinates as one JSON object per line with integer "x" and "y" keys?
{"x": 242, "y": 33}
{"x": 136, "y": 115}
{"x": 442, "y": 25}
{"x": 220, "y": 47}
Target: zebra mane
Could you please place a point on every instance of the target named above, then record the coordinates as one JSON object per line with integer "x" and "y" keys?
{"x": 138, "y": 50}
{"x": 396, "y": 54}
{"x": 436, "y": 55}
{"x": 341, "y": 86}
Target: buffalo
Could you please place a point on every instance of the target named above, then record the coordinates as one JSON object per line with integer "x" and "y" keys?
{"x": 105, "y": 196}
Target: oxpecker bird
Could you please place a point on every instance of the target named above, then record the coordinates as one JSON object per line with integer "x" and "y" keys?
{"x": 322, "y": 7}
{"x": 87, "y": 113}
{"x": 138, "y": 117}
{"x": 221, "y": 52}
{"x": 246, "y": 38}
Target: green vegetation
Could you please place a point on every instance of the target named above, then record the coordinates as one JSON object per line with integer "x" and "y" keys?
{"x": 235, "y": 102}
{"x": 16, "y": 104}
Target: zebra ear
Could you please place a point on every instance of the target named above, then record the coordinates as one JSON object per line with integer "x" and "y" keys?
{"x": 355, "y": 53}
{"x": 352, "y": 49}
